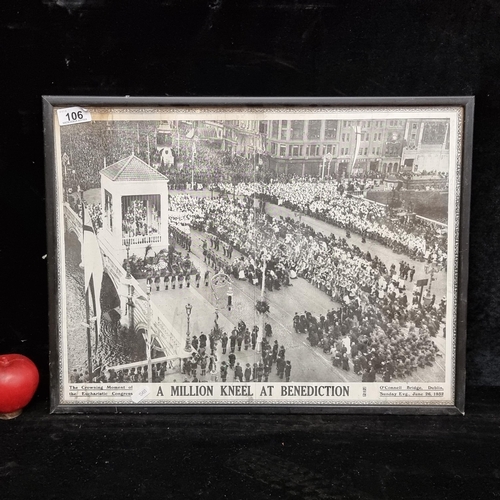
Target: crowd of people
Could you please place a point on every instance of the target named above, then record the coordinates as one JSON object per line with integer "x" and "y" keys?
{"x": 88, "y": 148}
{"x": 378, "y": 338}
{"x": 373, "y": 296}
{"x": 388, "y": 335}
{"x": 332, "y": 202}
{"x": 268, "y": 359}
{"x": 288, "y": 248}
{"x": 208, "y": 362}
{"x": 199, "y": 162}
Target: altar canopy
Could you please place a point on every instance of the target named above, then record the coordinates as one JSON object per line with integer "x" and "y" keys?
{"x": 135, "y": 200}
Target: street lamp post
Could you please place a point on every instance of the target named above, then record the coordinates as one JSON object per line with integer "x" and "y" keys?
{"x": 127, "y": 246}
{"x": 188, "y": 347}
{"x": 260, "y": 335}
{"x": 130, "y": 302}
{"x": 148, "y": 342}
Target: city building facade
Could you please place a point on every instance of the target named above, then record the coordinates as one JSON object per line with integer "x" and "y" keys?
{"x": 356, "y": 147}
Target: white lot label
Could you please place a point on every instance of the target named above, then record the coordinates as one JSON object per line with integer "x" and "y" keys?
{"x": 69, "y": 116}
{"x": 140, "y": 395}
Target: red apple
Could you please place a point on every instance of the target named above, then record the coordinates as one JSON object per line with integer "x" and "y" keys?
{"x": 18, "y": 382}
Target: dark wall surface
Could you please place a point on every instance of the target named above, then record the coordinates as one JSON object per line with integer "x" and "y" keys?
{"x": 244, "y": 48}
{"x": 241, "y": 48}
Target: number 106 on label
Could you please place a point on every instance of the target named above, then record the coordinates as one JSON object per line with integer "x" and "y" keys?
{"x": 70, "y": 116}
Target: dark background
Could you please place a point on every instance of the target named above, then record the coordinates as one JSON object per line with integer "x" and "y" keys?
{"x": 244, "y": 48}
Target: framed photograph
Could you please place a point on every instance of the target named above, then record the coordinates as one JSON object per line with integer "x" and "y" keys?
{"x": 295, "y": 255}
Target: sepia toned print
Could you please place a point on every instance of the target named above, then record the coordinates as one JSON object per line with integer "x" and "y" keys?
{"x": 258, "y": 256}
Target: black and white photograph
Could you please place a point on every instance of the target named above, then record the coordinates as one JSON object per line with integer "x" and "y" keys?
{"x": 256, "y": 256}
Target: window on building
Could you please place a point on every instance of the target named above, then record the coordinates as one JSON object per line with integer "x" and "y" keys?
{"x": 284, "y": 130}
{"x": 273, "y": 148}
{"x": 108, "y": 209}
{"x": 343, "y": 137}
{"x": 348, "y": 137}
{"x": 263, "y": 127}
{"x": 331, "y": 127}
{"x": 275, "y": 129}
{"x": 330, "y": 149}
{"x": 342, "y": 151}
{"x": 314, "y": 129}
{"x": 346, "y": 151}
{"x": 297, "y": 130}
{"x": 283, "y": 149}
{"x": 295, "y": 150}
{"x": 366, "y": 151}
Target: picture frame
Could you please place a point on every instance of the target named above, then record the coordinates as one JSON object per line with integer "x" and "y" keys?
{"x": 337, "y": 226}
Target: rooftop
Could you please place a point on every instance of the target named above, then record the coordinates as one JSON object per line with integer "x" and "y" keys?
{"x": 132, "y": 169}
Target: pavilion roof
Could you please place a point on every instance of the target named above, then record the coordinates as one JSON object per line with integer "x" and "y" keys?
{"x": 132, "y": 169}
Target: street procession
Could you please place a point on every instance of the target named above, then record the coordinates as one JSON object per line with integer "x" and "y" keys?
{"x": 270, "y": 249}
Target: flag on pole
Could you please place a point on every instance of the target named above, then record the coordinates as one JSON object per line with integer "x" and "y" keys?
{"x": 92, "y": 265}
{"x": 357, "y": 131}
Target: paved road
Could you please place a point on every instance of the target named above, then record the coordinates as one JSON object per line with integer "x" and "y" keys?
{"x": 308, "y": 364}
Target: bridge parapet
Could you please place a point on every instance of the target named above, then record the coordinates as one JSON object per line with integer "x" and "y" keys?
{"x": 73, "y": 223}
{"x": 143, "y": 313}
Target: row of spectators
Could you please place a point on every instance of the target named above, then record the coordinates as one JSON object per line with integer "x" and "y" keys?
{"x": 331, "y": 202}
{"x": 286, "y": 244}
{"x": 378, "y": 338}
